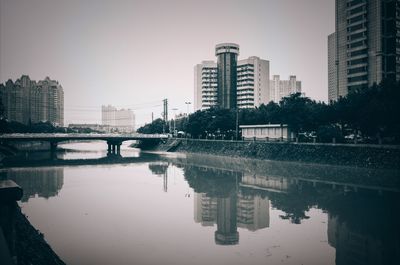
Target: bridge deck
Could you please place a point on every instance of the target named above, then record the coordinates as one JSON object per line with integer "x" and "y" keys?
{"x": 75, "y": 136}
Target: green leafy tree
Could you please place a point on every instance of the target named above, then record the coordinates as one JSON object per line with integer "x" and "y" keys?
{"x": 157, "y": 126}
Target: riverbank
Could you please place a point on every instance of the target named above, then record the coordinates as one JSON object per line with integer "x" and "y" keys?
{"x": 20, "y": 242}
{"x": 30, "y": 246}
{"x": 372, "y": 156}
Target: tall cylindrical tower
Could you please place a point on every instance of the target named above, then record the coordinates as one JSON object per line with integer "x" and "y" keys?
{"x": 227, "y": 54}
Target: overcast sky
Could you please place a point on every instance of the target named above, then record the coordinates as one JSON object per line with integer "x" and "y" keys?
{"x": 135, "y": 53}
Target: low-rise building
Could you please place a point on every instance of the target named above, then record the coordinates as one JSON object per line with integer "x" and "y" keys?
{"x": 267, "y": 132}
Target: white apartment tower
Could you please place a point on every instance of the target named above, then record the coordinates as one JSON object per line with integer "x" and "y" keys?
{"x": 121, "y": 120}
{"x": 252, "y": 83}
{"x": 283, "y": 88}
{"x": 333, "y": 92}
{"x": 205, "y": 85}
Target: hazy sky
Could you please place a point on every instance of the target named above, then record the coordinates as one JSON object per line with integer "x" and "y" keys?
{"x": 135, "y": 53}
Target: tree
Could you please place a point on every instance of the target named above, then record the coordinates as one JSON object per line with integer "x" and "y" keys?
{"x": 297, "y": 112}
{"x": 157, "y": 126}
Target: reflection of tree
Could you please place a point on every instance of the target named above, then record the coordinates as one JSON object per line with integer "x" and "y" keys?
{"x": 213, "y": 182}
{"x": 294, "y": 203}
{"x": 362, "y": 224}
{"x": 158, "y": 168}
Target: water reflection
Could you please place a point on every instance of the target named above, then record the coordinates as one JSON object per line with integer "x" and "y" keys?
{"x": 362, "y": 219}
{"x": 41, "y": 182}
{"x": 252, "y": 207}
{"x": 160, "y": 169}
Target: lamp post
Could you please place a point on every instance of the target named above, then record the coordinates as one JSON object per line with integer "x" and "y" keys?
{"x": 187, "y": 115}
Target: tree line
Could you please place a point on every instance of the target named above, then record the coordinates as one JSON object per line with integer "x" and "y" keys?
{"x": 371, "y": 114}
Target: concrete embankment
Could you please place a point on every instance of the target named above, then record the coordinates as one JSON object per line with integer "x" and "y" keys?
{"x": 376, "y": 156}
{"x": 20, "y": 242}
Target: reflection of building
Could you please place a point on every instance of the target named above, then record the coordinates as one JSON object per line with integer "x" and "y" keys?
{"x": 44, "y": 182}
{"x": 160, "y": 169}
{"x": 205, "y": 209}
{"x": 227, "y": 233}
{"x": 252, "y": 211}
{"x": 27, "y": 101}
{"x": 258, "y": 182}
{"x": 120, "y": 120}
{"x": 352, "y": 247}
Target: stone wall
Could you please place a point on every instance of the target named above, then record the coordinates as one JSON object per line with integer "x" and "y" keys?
{"x": 337, "y": 154}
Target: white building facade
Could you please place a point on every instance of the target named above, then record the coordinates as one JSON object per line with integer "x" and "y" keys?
{"x": 205, "y": 85}
{"x": 252, "y": 83}
{"x": 283, "y": 88}
{"x": 120, "y": 120}
{"x": 267, "y": 131}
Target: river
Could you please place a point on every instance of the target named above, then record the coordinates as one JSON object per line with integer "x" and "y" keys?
{"x": 201, "y": 209}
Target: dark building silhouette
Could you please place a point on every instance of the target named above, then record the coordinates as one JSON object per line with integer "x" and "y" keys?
{"x": 227, "y": 54}
{"x": 27, "y": 101}
{"x": 365, "y": 49}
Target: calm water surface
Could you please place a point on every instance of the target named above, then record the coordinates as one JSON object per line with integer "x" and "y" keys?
{"x": 210, "y": 210}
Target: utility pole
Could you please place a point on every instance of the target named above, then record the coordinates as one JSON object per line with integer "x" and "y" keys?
{"x": 152, "y": 117}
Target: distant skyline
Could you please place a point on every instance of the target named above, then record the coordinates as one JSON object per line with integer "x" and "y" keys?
{"x": 132, "y": 54}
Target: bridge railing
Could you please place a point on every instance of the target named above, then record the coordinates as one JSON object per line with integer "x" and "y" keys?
{"x": 80, "y": 135}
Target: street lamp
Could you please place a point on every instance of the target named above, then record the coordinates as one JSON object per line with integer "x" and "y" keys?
{"x": 187, "y": 114}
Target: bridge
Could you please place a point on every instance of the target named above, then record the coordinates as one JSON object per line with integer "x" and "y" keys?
{"x": 114, "y": 141}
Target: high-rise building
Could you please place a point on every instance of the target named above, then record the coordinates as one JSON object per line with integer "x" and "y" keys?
{"x": 252, "y": 83}
{"x": 367, "y": 44}
{"x": 108, "y": 115}
{"x": 332, "y": 68}
{"x": 205, "y": 85}
{"x": 121, "y": 120}
{"x": 28, "y": 101}
{"x": 227, "y": 54}
{"x": 283, "y": 88}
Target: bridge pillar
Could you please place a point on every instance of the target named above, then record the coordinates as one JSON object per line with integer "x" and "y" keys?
{"x": 118, "y": 149}
{"x": 53, "y": 149}
{"x": 108, "y": 148}
{"x": 113, "y": 148}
